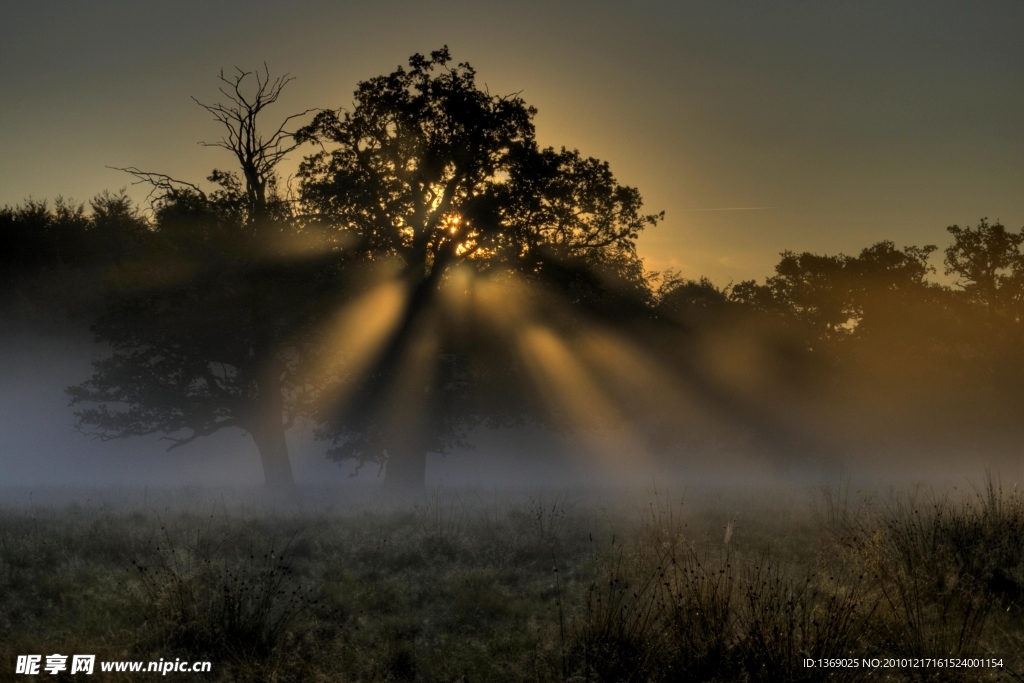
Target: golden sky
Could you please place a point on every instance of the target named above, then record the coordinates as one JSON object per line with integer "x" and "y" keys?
{"x": 757, "y": 127}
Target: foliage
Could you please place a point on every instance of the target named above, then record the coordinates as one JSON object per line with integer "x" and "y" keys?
{"x": 209, "y": 321}
{"x": 430, "y": 169}
{"x": 57, "y": 260}
{"x": 988, "y": 261}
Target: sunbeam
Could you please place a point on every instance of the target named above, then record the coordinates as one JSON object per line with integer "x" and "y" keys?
{"x": 351, "y": 340}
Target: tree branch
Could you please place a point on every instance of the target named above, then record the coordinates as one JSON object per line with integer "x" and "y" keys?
{"x": 161, "y": 182}
{"x": 197, "y": 433}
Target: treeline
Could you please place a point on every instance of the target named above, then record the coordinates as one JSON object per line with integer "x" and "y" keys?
{"x": 52, "y": 257}
{"x": 871, "y": 351}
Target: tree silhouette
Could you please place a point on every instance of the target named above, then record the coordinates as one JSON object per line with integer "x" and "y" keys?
{"x": 834, "y": 298}
{"x": 989, "y": 266}
{"x": 209, "y": 325}
{"x": 691, "y": 302}
{"x": 988, "y": 262}
{"x": 53, "y": 260}
{"x": 431, "y": 170}
{"x": 890, "y": 355}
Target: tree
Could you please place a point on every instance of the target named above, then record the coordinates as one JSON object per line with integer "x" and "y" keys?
{"x": 53, "y": 260}
{"x": 691, "y": 302}
{"x": 886, "y": 353}
{"x": 430, "y": 170}
{"x": 834, "y": 298}
{"x": 209, "y": 326}
{"x": 989, "y": 266}
{"x": 989, "y": 263}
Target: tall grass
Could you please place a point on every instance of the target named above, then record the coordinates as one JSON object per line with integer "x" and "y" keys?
{"x": 922, "y": 577}
{"x": 697, "y": 618}
{"x": 539, "y": 587}
{"x": 617, "y": 639}
{"x": 949, "y": 572}
{"x": 203, "y": 600}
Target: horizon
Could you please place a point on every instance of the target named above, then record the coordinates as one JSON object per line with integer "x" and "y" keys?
{"x": 756, "y": 129}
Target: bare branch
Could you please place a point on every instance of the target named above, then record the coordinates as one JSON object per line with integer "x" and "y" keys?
{"x": 257, "y": 154}
{"x": 161, "y": 182}
{"x": 197, "y": 433}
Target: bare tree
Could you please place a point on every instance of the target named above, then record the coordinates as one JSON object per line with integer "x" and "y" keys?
{"x": 258, "y": 155}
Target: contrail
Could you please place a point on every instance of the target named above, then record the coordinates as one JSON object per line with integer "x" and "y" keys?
{"x": 736, "y": 208}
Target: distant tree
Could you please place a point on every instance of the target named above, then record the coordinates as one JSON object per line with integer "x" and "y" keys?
{"x": 53, "y": 260}
{"x": 832, "y": 298}
{"x": 431, "y": 170}
{"x": 691, "y": 302}
{"x": 988, "y": 261}
{"x": 33, "y": 236}
{"x": 891, "y": 296}
{"x": 890, "y": 353}
{"x": 208, "y": 327}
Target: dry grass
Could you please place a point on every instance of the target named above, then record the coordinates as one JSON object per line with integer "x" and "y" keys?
{"x": 539, "y": 586}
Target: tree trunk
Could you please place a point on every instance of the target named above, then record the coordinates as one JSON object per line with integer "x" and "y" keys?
{"x": 277, "y": 468}
{"x": 267, "y": 429}
{"x": 406, "y": 471}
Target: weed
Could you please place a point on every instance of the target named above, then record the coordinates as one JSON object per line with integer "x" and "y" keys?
{"x": 200, "y": 601}
{"x": 700, "y": 614}
{"x": 549, "y": 517}
{"x": 787, "y": 620}
{"x": 619, "y": 636}
{"x": 442, "y": 521}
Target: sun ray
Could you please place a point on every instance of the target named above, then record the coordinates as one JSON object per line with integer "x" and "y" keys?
{"x": 571, "y": 394}
{"x": 355, "y": 335}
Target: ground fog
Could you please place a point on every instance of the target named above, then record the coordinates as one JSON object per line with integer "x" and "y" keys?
{"x": 597, "y": 584}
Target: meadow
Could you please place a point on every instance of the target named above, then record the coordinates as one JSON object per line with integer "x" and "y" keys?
{"x": 492, "y": 585}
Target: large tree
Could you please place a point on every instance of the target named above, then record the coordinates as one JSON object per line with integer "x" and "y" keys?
{"x": 432, "y": 171}
{"x": 209, "y": 325}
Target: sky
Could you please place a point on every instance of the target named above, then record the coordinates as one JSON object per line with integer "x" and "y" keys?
{"x": 757, "y": 127}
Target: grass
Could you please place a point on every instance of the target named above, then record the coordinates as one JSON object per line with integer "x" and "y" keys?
{"x": 202, "y": 599}
{"x": 538, "y": 586}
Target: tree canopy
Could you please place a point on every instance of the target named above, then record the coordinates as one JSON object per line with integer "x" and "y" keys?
{"x": 221, "y": 318}
{"x": 429, "y": 169}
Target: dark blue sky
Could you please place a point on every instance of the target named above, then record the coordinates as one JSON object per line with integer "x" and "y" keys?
{"x": 850, "y": 121}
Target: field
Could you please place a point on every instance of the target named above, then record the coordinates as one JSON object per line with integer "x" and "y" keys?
{"x": 550, "y": 585}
